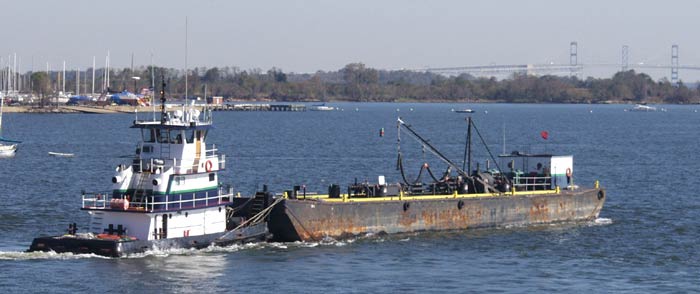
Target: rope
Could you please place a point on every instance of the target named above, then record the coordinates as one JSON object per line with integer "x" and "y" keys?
{"x": 261, "y": 215}
{"x": 255, "y": 219}
{"x": 230, "y": 210}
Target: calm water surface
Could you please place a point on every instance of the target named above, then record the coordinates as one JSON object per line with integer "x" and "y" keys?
{"x": 646, "y": 239}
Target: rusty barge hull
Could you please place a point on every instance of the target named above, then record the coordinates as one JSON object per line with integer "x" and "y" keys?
{"x": 314, "y": 220}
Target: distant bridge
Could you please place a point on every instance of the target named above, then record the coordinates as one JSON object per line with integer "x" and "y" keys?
{"x": 540, "y": 69}
{"x": 572, "y": 68}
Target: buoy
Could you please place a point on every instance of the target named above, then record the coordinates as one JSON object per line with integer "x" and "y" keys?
{"x": 381, "y": 132}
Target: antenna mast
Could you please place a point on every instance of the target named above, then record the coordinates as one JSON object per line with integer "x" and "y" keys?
{"x": 162, "y": 99}
{"x": 186, "y": 73}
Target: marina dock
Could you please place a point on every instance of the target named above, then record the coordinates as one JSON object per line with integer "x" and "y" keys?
{"x": 259, "y": 107}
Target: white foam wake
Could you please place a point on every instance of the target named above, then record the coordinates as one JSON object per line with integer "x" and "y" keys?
{"x": 602, "y": 221}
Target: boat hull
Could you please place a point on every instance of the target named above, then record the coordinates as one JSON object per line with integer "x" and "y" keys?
{"x": 7, "y": 150}
{"x": 311, "y": 220}
{"x": 120, "y": 247}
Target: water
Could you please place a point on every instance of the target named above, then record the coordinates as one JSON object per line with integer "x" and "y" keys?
{"x": 645, "y": 240}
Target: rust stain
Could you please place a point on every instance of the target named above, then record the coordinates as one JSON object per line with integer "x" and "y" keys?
{"x": 539, "y": 211}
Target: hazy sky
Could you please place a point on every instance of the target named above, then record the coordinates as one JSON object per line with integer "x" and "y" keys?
{"x": 306, "y": 36}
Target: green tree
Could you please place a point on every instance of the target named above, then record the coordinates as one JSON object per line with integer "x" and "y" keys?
{"x": 41, "y": 86}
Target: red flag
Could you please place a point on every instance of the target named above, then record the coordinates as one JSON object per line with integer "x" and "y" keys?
{"x": 544, "y": 135}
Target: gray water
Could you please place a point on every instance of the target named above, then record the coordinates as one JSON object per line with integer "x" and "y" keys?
{"x": 644, "y": 241}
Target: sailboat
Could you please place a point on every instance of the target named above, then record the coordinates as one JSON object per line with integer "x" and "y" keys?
{"x": 6, "y": 150}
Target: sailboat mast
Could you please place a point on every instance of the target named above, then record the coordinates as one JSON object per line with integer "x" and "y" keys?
{"x": 14, "y": 74}
{"x": 77, "y": 82}
{"x": 104, "y": 77}
{"x": 2, "y": 104}
{"x": 93, "y": 77}
{"x": 63, "y": 80}
{"x": 19, "y": 75}
{"x": 131, "y": 71}
{"x": 107, "y": 84}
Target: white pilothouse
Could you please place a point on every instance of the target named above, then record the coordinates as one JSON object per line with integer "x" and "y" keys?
{"x": 168, "y": 196}
{"x": 170, "y": 189}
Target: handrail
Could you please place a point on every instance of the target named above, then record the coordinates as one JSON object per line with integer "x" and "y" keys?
{"x": 102, "y": 201}
{"x": 154, "y": 164}
{"x": 532, "y": 182}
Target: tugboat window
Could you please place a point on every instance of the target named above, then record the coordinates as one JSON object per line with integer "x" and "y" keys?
{"x": 177, "y": 139}
{"x": 190, "y": 136}
{"x": 151, "y": 136}
{"x": 212, "y": 177}
{"x": 163, "y": 136}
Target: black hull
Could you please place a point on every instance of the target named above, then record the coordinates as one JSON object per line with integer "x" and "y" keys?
{"x": 311, "y": 220}
{"x": 120, "y": 248}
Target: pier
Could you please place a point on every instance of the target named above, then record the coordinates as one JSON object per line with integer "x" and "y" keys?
{"x": 259, "y": 107}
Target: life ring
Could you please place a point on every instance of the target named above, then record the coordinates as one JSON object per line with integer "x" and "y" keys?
{"x": 208, "y": 166}
{"x": 568, "y": 172}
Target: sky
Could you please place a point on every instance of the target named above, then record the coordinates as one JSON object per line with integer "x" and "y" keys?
{"x": 307, "y": 36}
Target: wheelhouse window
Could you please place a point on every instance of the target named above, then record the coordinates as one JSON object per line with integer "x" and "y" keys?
{"x": 190, "y": 136}
{"x": 163, "y": 136}
{"x": 149, "y": 135}
{"x": 212, "y": 177}
{"x": 176, "y": 137}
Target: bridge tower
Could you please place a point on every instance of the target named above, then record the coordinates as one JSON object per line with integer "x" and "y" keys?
{"x": 573, "y": 58}
{"x": 674, "y": 64}
{"x": 625, "y": 57}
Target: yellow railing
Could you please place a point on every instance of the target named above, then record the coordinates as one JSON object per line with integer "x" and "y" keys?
{"x": 345, "y": 198}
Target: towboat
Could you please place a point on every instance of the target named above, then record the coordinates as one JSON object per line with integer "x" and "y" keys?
{"x": 531, "y": 189}
{"x": 168, "y": 196}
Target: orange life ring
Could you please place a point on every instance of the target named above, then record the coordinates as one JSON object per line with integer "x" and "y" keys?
{"x": 568, "y": 172}
{"x": 208, "y": 166}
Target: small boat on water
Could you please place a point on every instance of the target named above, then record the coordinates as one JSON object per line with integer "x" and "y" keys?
{"x": 465, "y": 110}
{"x": 6, "y": 150}
{"x": 60, "y": 154}
{"x": 642, "y": 108}
{"x": 536, "y": 189}
{"x": 168, "y": 196}
{"x": 321, "y": 107}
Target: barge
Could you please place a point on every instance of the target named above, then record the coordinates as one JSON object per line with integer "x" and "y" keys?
{"x": 534, "y": 189}
{"x": 169, "y": 196}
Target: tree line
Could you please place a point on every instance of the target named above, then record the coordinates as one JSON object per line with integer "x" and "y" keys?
{"x": 359, "y": 83}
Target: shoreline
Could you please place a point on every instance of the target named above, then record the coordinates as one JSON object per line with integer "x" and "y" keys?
{"x": 114, "y": 109}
